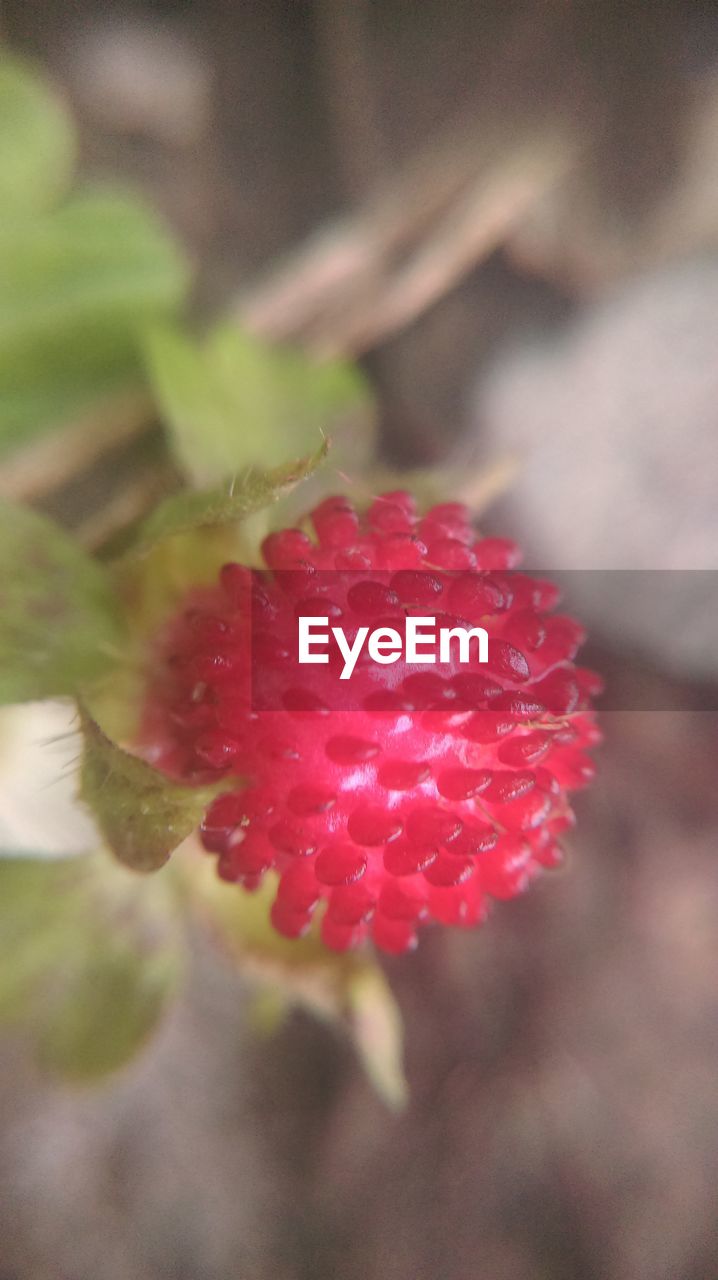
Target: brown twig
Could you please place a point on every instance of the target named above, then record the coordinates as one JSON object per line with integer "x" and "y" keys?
{"x": 53, "y": 460}
{"x": 375, "y": 272}
{"x": 122, "y": 509}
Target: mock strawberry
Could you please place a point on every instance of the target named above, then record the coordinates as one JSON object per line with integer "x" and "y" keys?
{"x": 407, "y": 791}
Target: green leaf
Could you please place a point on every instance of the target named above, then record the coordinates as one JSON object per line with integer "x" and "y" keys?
{"x": 142, "y": 815}
{"x": 233, "y": 501}
{"x": 37, "y": 141}
{"x": 58, "y": 625}
{"x": 77, "y": 288}
{"x": 234, "y": 401}
{"x": 88, "y": 959}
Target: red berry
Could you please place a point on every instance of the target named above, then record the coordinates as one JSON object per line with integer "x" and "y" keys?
{"x": 405, "y": 794}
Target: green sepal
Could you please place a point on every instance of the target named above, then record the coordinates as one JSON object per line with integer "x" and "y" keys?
{"x": 238, "y": 498}
{"x": 348, "y": 991}
{"x": 142, "y": 814}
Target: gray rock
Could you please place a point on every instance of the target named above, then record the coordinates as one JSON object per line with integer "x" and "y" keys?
{"x": 615, "y": 430}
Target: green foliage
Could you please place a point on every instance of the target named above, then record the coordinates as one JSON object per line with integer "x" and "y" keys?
{"x": 235, "y": 500}
{"x": 37, "y": 141}
{"x": 234, "y": 401}
{"x": 89, "y": 287}
{"x": 80, "y": 278}
{"x": 141, "y": 814}
{"x": 58, "y": 624}
{"x": 91, "y": 955}
{"x": 77, "y": 288}
{"x": 88, "y": 958}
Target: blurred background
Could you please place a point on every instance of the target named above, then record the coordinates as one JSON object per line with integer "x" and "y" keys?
{"x": 507, "y": 213}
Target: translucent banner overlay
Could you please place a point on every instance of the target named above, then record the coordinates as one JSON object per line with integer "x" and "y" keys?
{"x": 417, "y": 639}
